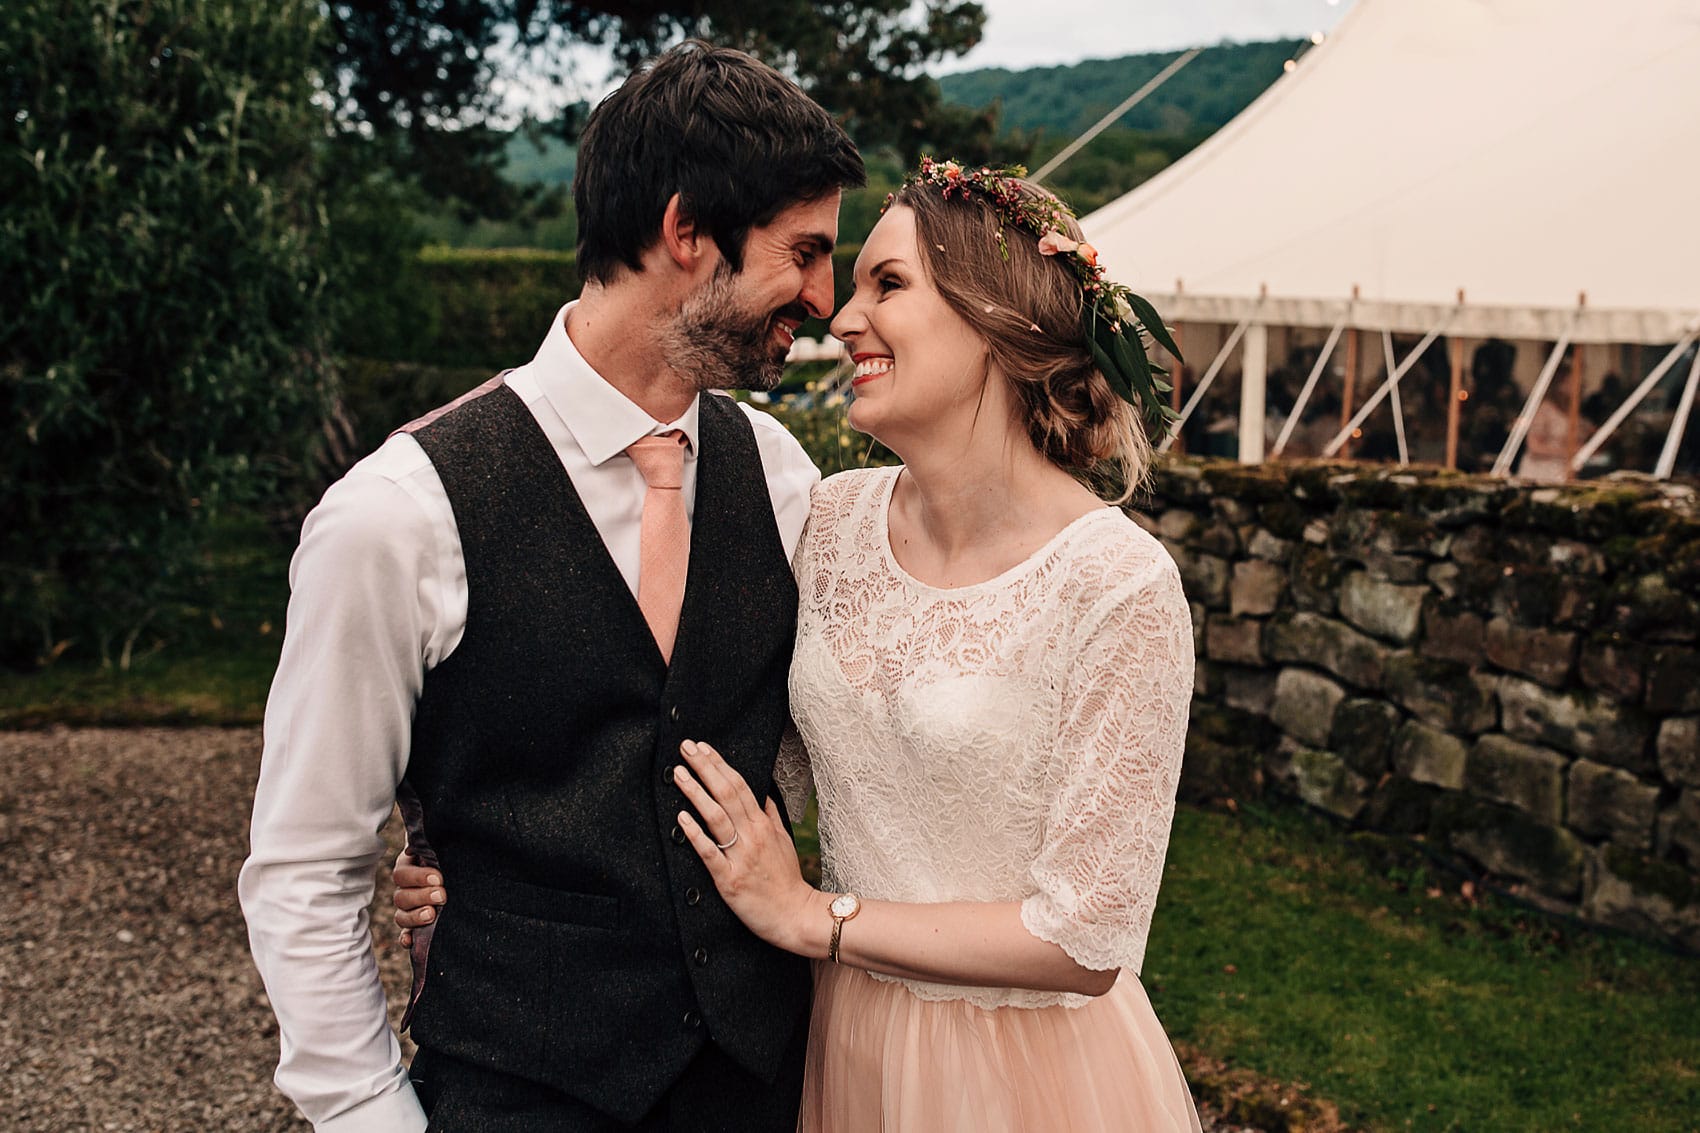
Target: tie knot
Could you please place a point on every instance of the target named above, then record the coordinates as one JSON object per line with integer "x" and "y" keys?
{"x": 660, "y": 459}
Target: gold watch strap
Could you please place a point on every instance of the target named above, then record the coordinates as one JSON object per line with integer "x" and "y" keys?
{"x": 837, "y": 931}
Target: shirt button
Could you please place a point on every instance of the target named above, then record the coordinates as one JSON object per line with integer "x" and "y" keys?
{"x": 677, "y": 835}
{"x": 693, "y": 896}
{"x": 701, "y": 957}
{"x": 693, "y": 1020}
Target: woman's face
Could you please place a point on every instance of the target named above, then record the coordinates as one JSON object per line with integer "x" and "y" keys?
{"x": 920, "y": 368}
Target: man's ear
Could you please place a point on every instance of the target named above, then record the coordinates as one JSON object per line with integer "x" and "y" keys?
{"x": 683, "y": 240}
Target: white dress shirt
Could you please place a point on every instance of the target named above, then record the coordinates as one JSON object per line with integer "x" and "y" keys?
{"x": 378, "y": 597}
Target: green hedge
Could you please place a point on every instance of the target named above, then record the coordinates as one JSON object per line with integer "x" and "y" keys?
{"x": 489, "y": 308}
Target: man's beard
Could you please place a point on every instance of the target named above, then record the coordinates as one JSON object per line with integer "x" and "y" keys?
{"x": 714, "y": 343}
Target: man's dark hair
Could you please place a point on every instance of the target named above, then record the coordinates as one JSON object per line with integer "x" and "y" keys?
{"x": 738, "y": 141}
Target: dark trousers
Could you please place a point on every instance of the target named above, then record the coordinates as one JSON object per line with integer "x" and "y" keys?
{"x": 713, "y": 1095}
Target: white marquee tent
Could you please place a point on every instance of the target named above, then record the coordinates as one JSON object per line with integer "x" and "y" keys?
{"x": 1523, "y": 169}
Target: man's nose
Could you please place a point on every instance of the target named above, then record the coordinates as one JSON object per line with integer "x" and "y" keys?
{"x": 817, "y": 288}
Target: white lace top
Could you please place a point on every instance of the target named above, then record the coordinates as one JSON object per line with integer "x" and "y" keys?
{"x": 1015, "y": 740}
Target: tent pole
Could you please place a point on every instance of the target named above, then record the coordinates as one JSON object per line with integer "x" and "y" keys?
{"x": 1604, "y": 432}
{"x": 1180, "y": 369}
{"x": 1179, "y": 423}
{"x": 1310, "y": 384}
{"x": 1573, "y": 423}
{"x": 1453, "y": 402}
{"x": 1352, "y": 346}
{"x": 1388, "y": 386}
{"x": 1454, "y": 396}
{"x": 1667, "y": 459}
{"x": 1254, "y": 374}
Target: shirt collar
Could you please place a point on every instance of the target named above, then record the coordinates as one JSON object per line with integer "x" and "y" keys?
{"x": 602, "y": 420}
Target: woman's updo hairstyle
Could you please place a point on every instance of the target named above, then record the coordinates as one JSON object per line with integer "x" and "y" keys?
{"x": 1029, "y": 309}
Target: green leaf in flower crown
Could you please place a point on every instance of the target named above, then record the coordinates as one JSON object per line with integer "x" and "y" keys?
{"x": 1108, "y": 368}
{"x": 1153, "y": 323}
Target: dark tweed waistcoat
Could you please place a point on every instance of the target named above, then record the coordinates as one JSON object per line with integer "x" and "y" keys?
{"x": 585, "y": 946}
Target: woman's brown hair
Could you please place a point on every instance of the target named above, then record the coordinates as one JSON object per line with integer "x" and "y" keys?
{"x": 1029, "y": 307}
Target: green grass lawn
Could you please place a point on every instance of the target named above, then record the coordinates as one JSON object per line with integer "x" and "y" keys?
{"x": 1289, "y": 947}
{"x": 1282, "y": 945}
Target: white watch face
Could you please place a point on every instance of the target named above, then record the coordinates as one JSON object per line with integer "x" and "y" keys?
{"x": 845, "y": 905}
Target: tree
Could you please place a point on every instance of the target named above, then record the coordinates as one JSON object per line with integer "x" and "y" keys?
{"x": 420, "y": 71}
{"x": 162, "y": 335}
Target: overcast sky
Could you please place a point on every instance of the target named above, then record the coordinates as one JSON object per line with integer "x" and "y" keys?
{"x": 1034, "y": 33}
{"x": 1028, "y": 33}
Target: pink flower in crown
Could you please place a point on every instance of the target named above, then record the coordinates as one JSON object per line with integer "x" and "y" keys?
{"x": 1054, "y": 242}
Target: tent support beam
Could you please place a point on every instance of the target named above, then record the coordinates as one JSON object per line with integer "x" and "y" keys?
{"x": 1393, "y": 396}
{"x": 1204, "y": 384}
{"x": 1310, "y": 384}
{"x": 1604, "y": 432}
{"x": 1520, "y": 427}
{"x": 1667, "y": 459}
{"x": 1392, "y": 382}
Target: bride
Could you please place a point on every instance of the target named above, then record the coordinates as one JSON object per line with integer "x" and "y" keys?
{"x": 991, "y": 683}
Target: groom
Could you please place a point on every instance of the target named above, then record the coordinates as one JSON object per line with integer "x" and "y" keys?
{"x": 514, "y": 611}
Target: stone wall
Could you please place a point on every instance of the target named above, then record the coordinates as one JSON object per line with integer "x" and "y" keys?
{"x": 1510, "y": 673}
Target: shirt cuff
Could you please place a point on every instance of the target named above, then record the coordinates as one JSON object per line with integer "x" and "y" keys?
{"x": 398, "y": 1111}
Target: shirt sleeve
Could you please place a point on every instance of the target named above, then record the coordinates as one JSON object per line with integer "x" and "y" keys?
{"x": 1120, "y": 743}
{"x": 337, "y": 736}
{"x": 791, "y": 475}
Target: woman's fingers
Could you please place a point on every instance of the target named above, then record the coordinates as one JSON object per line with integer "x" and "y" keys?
{"x": 719, "y": 823}
{"x": 722, "y": 780}
{"x": 703, "y": 843}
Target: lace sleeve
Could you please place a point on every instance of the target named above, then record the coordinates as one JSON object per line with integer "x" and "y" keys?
{"x": 1120, "y": 742}
{"x": 792, "y": 774}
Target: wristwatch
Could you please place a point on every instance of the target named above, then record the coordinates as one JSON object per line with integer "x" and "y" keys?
{"x": 844, "y": 907}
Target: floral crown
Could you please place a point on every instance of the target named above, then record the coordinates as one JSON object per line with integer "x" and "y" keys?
{"x": 1113, "y": 317}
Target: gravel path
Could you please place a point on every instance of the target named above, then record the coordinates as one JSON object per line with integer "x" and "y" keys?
{"x": 127, "y": 997}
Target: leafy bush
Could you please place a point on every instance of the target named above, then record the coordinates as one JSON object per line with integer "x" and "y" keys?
{"x": 162, "y": 340}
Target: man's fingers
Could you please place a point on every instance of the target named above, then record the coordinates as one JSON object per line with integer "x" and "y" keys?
{"x": 415, "y": 918}
{"x": 410, "y": 899}
{"x": 415, "y": 877}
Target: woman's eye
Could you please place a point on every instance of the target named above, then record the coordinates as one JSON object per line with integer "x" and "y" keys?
{"x": 885, "y": 284}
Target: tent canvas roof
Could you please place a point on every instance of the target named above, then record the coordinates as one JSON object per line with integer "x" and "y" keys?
{"x": 1524, "y": 151}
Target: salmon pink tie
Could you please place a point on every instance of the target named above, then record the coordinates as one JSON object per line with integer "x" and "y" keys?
{"x": 664, "y": 536}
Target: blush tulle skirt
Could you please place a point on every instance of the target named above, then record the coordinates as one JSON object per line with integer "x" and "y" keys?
{"x": 882, "y": 1060}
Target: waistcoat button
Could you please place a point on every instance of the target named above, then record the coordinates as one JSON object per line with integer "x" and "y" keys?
{"x": 693, "y": 896}
{"x": 693, "y": 1020}
{"x": 677, "y": 835}
{"x": 673, "y": 714}
{"x": 701, "y": 957}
